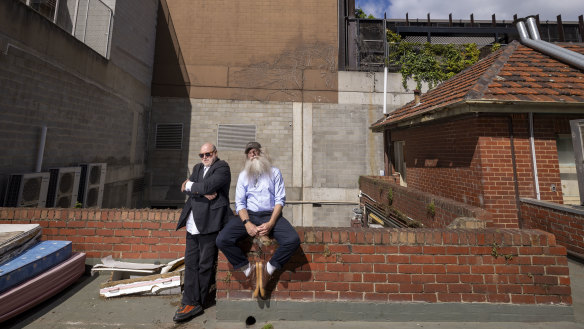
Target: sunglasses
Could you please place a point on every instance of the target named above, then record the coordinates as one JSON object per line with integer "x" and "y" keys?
{"x": 208, "y": 154}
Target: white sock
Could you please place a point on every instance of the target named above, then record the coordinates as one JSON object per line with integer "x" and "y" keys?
{"x": 270, "y": 268}
{"x": 247, "y": 270}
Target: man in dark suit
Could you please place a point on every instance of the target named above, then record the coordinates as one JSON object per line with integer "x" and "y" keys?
{"x": 204, "y": 214}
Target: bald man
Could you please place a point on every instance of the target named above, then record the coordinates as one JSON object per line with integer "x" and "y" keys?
{"x": 204, "y": 214}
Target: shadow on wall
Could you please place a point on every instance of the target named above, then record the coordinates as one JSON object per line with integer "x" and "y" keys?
{"x": 170, "y": 127}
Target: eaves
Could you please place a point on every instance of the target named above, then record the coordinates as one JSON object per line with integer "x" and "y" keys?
{"x": 483, "y": 106}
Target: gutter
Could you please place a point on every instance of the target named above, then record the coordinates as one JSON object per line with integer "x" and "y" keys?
{"x": 483, "y": 106}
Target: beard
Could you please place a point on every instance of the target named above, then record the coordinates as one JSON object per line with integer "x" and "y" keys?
{"x": 257, "y": 167}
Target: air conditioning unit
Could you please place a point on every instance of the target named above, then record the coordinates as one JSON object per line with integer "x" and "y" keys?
{"x": 27, "y": 190}
{"x": 63, "y": 187}
{"x": 91, "y": 184}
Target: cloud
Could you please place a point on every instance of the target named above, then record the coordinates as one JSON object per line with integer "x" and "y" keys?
{"x": 482, "y": 10}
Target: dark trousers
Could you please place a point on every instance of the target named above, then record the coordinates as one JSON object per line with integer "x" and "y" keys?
{"x": 234, "y": 231}
{"x": 200, "y": 255}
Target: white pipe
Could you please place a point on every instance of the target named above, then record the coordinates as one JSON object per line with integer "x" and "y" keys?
{"x": 533, "y": 159}
{"x": 385, "y": 90}
{"x": 41, "y": 149}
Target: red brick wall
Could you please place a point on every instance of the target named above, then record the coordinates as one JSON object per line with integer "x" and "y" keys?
{"x": 414, "y": 203}
{"x": 122, "y": 233}
{"x": 430, "y": 265}
{"x": 414, "y": 265}
{"x": 568, "y": 227}
{"x": 469, "y": 160}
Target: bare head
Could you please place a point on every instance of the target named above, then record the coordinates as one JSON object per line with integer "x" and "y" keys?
{"x": 208, "y": 154}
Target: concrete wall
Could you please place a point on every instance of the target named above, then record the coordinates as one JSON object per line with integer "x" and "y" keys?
{"x": 95, "y": 109}
{"x": 321, "y": 150}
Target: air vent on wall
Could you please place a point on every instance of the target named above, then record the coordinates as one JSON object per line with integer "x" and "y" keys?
{"x": 91, "y": 184}
{"x": 235, "y": 137}
{"x": 27, "y": 190}
{"x": 63, "y": 187}
{"x": 169, "y": 136}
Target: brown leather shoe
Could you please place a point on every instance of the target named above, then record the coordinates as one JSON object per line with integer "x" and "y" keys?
{"x": 186, "y": 312}
{"x": 251, "y": 280}
{"x": 263, "y": 278}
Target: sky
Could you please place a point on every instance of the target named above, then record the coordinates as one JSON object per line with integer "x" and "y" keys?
{"x": 482, "y": 10}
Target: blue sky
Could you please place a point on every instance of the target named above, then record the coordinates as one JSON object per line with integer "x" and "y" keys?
{"x": 482, "y": 10}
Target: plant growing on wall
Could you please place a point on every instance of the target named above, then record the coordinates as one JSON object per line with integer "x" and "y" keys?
{"x": 426, "y": 62}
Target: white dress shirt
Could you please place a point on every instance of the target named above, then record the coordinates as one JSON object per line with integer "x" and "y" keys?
{"x": 191, "y": 226}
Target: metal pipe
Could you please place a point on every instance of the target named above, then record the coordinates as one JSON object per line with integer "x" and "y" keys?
{"x": 566, "y": 56}
{"x": 533, "y": 159}
{"x": 385, "y": 90}
{"x": 41, "y": 151}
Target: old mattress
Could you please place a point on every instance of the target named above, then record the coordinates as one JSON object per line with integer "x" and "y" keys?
{"x": 36, "y": 290}
{"x": 33, "y": 262}
{"x": 16, "y": 238}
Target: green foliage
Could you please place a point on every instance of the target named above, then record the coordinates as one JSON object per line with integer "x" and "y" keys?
{"x": 359, "y": 13}
{"x": 495, "y": 47}
{"x": 268, "y": 326}
{"x": 431, "y": 209}
{"x": 78, "y": 205}
{"x": 430, "y": 63}
{"x": 390, "y": 196}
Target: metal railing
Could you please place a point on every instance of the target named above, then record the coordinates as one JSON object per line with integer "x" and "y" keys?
{"x": 90, "y": 21}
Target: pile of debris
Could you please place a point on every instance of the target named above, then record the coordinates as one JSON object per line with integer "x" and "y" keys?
{"x": 31, "y": 270}
{"x": 139, "y": 278}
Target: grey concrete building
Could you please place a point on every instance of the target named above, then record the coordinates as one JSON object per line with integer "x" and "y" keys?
{"x": 82, "y": 69}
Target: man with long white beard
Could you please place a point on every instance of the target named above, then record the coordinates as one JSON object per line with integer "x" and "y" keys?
{"x": 259, "y": 198}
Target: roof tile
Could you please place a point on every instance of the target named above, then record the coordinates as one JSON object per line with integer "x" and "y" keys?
{"x": 513, "y": 73}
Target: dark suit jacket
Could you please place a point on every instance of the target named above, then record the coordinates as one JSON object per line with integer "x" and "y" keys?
{"x": 209, "y": 215}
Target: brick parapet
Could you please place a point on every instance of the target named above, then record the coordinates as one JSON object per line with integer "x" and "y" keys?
{"x": 341, "y": 264}
{"x": 414, "y": 265}
{"x": 122, "y": 233}
{"x": 566, "y": 224}
{"x": 415, "y": 203}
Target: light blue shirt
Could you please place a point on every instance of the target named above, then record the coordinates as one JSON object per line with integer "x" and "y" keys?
{"x": 264, "y": 195}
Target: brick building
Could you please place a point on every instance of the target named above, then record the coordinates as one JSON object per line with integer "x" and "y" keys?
{"x": 498, "y": 137}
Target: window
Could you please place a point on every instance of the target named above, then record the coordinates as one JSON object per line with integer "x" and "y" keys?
{"x": 399, "y": 162}
{"x": 89, "y": 21}
{"x": 577, "y": 127}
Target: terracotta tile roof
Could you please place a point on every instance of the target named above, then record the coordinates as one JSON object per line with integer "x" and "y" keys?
{"x": 514, "y": 73}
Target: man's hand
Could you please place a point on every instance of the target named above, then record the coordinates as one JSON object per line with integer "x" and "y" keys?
{"x": 266, "y": 228}
{"x": 211, "y": 196}
{"x": 182, "y": 188}
{"x": 251, "y": 229}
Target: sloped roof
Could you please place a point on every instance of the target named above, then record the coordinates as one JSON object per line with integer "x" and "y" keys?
{"x": 515, "y": 73}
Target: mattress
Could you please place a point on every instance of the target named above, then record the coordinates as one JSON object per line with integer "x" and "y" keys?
{"x": 16, "y": 238}
{"x": 36, "y": 290}
{"x": 32, "y": 262}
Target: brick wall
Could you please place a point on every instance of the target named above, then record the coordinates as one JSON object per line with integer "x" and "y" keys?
{"x": 469, "y": 160}
{"x": 566, "y": 223}
{"x": 341, "y": 264}
{"x": 414, "y": 203}
{"x": 123, "y": 233}
{"x": 414, "y": 265}
{"x": 235, "y": 55}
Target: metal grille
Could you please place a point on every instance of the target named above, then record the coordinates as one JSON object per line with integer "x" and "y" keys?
{"x": 169, "y": 136}
{"x": 235, "y": 137}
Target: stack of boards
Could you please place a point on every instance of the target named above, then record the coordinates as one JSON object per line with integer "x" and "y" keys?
{"x": 31, "y": 270}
